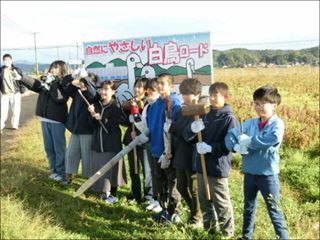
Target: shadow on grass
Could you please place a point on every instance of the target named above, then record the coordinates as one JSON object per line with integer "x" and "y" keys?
{"x": 87, "y": 215}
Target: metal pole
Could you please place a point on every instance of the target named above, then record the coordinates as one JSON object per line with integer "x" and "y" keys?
{"x": 35, "y": 52}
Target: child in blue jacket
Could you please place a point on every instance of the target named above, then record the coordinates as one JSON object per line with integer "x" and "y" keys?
{"x": 258, "y": 140}
{"x": 159, "y": 115}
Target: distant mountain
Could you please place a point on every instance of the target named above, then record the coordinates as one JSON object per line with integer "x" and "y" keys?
{"x": 29, "y": 68}
{"x": 239, "y": 57}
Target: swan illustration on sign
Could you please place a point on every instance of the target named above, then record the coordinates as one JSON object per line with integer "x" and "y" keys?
{"x": 125, "y": 90}
{"x": 148, "y": 72}
{"x": 190, "y": 65}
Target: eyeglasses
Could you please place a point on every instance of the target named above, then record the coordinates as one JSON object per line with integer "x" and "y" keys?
{"x": 259, "y": 104}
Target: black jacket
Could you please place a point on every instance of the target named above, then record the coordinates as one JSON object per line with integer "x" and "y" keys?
{"x": 79, "y": 119}
{"x": 18, "y": 85}
{"x": 52, "y": 103}
{"x": 182, "y": 149}
{"x": 111, "y": 118}
{"x": 217, "y": 123}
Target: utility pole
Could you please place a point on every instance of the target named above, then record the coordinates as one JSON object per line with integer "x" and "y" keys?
{"x": 35, "y": 52}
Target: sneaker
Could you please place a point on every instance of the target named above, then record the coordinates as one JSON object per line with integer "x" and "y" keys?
{"x": 153, "y": 205}
{"x": 111, "y": 199}
{"x": 52, "y": 176}
{"x": 162, "y": 217}
{"x": 58, "y": 178}
{"x": 157, "y": 209}
{"x": 175, "y": 218}
{"x": 103, "y": 196}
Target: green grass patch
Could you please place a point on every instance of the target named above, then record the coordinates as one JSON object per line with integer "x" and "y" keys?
{"x": 32, "y": 206}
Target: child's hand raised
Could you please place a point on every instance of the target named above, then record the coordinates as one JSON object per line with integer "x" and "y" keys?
{"x": 91, "y": 109}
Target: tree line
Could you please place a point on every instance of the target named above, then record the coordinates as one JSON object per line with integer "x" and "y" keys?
{"x": 240, "y": 57}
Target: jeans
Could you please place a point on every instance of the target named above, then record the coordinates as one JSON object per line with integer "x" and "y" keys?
{"x": 55, "y": 146}
{"x": 270, "y": 189}
{"x": 219, "y": 211}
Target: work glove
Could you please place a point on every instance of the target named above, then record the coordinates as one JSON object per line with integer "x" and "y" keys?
{"x": 244, "y": 140}
{"x": 243, "y": 150}
{"x": 17, "y": 76}
{"x": 167, "y": 125}
{"x": 164, "y": 163}
{"x": 45, "y": 87}
{"x": 142, "y": 139}
{"x": 197, "y": 126}
{"x": 131, "y": 118}
{"x": 203, "y": 148}
{"x": 79, "y": 73}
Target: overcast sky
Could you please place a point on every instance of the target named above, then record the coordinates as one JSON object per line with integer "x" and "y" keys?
{"x": 255, "y": 25}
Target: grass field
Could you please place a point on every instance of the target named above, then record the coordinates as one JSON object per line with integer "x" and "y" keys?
{"x": 32, "y": 206}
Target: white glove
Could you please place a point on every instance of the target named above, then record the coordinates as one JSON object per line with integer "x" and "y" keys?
{"x": 244, "y": 140}
{"x": 164, "y": 163}
{"x": 83, "y": 73}
{"x": 142, "y": 138}
{"x": 76, "y": 73}
{"x": 197, "y": 126}
{"x": 167, "y": 125}
{"x": 131, "y": 119}
{"x": 79, "y": 73}
{"x": 17, "y": 76}
{"x": 203, "y": 148}
{"x": 45, "y": 86}
{"x": 243, "y": 150}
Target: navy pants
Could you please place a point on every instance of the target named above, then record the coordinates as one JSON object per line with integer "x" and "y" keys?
{"x": 270, "y": 189}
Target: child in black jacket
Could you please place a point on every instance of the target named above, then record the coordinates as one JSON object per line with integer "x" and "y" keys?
{"x": 214, "y": 127}
{"x": 187, "y": 183}
{"x": 106, "y": 142}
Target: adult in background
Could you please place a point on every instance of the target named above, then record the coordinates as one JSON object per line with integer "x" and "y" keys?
{"x": 11, "y": 89}
{"x": 53, "y": 111}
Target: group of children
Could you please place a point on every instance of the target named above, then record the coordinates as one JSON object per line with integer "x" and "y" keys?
{"x": 171, "y": 159}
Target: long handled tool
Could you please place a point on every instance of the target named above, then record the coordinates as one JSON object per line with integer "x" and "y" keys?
{"x": 141, "y": 139}
{"x": 84, "y": 98}
{"x": 196, "y": 110}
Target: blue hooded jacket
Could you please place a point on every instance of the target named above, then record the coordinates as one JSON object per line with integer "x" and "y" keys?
{"x": 155, "y": 122}
{"x": 263, "y": 157}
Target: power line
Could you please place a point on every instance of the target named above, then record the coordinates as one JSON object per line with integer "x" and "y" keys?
{"x": 13, "y": 25}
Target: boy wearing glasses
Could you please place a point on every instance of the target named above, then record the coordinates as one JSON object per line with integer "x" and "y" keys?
{"x": 258, "y": 140}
